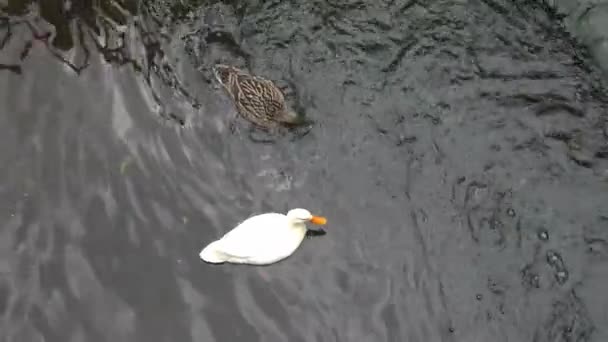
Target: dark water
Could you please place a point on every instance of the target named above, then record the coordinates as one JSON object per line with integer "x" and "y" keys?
{"x": 459, "y": 152}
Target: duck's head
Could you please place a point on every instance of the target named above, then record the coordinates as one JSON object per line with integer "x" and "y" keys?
{"x": 302, "y": 216}
{"x": 290, "y": 117}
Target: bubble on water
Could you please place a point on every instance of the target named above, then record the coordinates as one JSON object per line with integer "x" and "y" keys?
{"x": 404, "y": 139}
{"x": 551, "y": 257}
{"x": 543, "y": 235}
{"x": 479, "y": 296}
{"x": 529, "y": 277}
{"x": 535, "y": 281}
{"x": 554, "y": 259}
{"x": 501, "y": 309}
{"x": 561, "y": 277}
{"x": 495, "y": 287}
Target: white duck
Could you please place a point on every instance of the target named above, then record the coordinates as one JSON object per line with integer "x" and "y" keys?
{"x": 262, "y": 239}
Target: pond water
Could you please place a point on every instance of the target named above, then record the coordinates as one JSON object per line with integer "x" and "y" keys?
{"x": 458, "y": 151}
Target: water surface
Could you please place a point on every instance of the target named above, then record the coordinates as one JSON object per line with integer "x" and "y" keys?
{"x": 458, "y": 151}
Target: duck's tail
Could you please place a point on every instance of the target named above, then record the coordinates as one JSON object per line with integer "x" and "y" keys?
{"x": 212, "y": 254}
{"x": 223, "y": 73}
{"x": 220, "y": 73}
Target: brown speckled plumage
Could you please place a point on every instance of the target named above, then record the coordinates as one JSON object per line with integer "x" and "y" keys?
{"x": 257, "y": 99}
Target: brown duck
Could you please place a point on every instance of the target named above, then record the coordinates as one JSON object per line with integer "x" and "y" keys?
{"x": 257, "y": 99}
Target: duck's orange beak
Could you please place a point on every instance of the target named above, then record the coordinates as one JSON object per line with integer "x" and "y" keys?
{"x": 320, "y": 220}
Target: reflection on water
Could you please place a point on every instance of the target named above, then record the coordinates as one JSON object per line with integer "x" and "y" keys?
{"x": 459, "y": 152}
